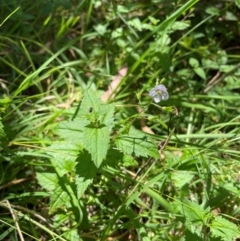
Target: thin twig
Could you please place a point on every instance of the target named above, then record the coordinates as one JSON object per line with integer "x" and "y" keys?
{"x": 15, "y": 220}
{"x": 160, "y": 152}
{"x": 222, "y": 78}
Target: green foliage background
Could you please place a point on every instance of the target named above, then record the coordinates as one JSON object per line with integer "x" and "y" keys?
{"x": 73, "y": 167}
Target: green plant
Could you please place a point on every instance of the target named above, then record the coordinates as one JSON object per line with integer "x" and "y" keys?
{"x": 128, "y": 169}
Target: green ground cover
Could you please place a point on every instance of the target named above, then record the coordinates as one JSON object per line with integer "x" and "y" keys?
{"x": 86, "y": 153}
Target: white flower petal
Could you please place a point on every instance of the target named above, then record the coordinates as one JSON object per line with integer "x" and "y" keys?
{"x": 165, "y": 95}
{"x": 160, "y": 88}
{"x": 157, "y": 98}
{"x": 152, "y": 92}
{"x": 159, "y": 93}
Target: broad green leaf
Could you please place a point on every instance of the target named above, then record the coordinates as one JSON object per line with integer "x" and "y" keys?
{"x": 64, "y": 155}
{"x": 181, "y": 178}
{"x": 190, "y": 236}
{"x": 237, "y": 2}
{"x": 179, "y": 25}
{"x": 222, "y": 58}
{"x": 48, "y": 180}
{"x": 72, "y": 235}
{"x": 96, "y": 141}
{"x": 122, "y": 9}
{"x": 200, "y": 72}
{"x": 162, "y": 43}
{"x": 230, "y": 16}
{"x": 2, "y": 133}
{"x": 101, "y": 29}
{"x": 4, "y": 103}
{"x": 212, "y": 11}
{"x": 60, "y": 218}
{"x": 186, "y": 73}
{"x": 121, "y": 43}
{"x": 226, "y": 68}
{"x": 136, "y": 143}
{"x": 136, "y": 23}
{"x": 153, "y": 20}
{"x": 208, "y": 63}
{"x": 85, "y": 172}
{"x": 193, "y": 62}
{"x": 221, "y": 227}
{"x": 107, "y": 115}
{"x": 91, "y": 100}
{"x": 147, "y": 26}
{"x": 100, "y": 113}
{"x": 117, "y": 33}
{"x": 59, "y": 199}
{"x": 113, "y": 157}
{"x": 129, "y": 161}
{"x": 194, "y": 212}
{"x": 71, "y": 130}
{"x": 165, "y": 60}
{"x": 143, "y": 233}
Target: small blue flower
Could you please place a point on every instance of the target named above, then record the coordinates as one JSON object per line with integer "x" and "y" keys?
{"x": 159, "y": 93}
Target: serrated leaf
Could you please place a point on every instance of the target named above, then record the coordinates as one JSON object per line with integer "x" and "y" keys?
{"x": 92, "y": 100}
{"x": 72, "y": 235}
{"x": 136, "y": 143}
{"x": 162, "y": 42}
{"x": 2, "y": 133}
{"x": 113, "y": 157}
{"x": 71, "y": 130}
{"x": 64, "y": 155}
{"x": 129, "y": 161}
{"x": 85, "y": 172}
{"x": 101, "y": 29}
{"x": 102, "y": 113}
{"x": 117, "y": 33}
{"x": 59, "y": 219}
{"x": 59, "y": 199}
{"x": 107, "y": 115}
{"x": 181, "y": 178}
{"x": 96, "y": 141}
{"x": 48, "y": 180}
{"x": 180, "y": 25}
{"x": 90, "y": 130}
{"x": 194, "y": 212}
{"x": 190, "y": 236}
{"x": 221, "y": 227}
{"x": 122, "y": 9}
{"x": 136, "y": 23}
